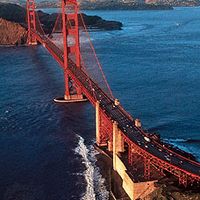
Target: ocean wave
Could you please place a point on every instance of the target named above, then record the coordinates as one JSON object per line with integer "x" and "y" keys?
{"x": 197, "y": 141}
{"x": 95, "y": 188}
{"x": 159, "y": 127}
{"x": 181, "y": 140}
{"x": 187, "y": 145}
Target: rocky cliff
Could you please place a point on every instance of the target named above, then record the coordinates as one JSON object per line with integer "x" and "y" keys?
{"x": 15, "y": 13}
{"x": 174, "y": 2}
{"x": 12, "y": 33}
{"x": 92, "y": 22}
{"x": 13, "y": 23}
{"x": 120, "y": 5}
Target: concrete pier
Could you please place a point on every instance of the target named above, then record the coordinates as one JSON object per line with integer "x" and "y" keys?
{"x": 134, "y": 189}
{"x": 98, "y": 139}
{"x": 70, "y": 99}
{"x": 118, "y": 143}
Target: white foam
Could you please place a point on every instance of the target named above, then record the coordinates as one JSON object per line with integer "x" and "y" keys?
{"x": 175, "y": 140}
{"x": 99, "y": 182}
{"x": 180, "y": 143}
{"x": 95, "y": 188}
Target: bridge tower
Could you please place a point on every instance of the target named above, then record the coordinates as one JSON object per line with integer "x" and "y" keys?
{"x": 71, "y": 46}
{"x": 31, "y": 20}
{"x": 104, "y": 129}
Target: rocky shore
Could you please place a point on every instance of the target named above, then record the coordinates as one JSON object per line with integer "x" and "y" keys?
{"x": 12, "y": 33}
{"x": 13, "y": 23}
{"x": 86, "y": 4}
{"x": 92, "y": 22}
{"x": 166, "y": 188}
{"x": 110, "y": 5}
{"x": 123, "y": 6}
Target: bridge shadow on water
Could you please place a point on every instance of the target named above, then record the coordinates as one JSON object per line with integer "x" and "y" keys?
{"x": 78, "y": 115}
{"x": 38, "y": 138}
{"x": 47, "y": 68}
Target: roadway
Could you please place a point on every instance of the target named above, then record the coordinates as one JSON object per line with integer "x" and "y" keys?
{"x": 125, "y": 123}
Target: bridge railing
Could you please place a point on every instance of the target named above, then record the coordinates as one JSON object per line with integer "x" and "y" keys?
{"x": 94, "y": 93}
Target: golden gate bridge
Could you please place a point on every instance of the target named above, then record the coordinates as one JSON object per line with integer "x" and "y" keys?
{"x": 116, "y": 130}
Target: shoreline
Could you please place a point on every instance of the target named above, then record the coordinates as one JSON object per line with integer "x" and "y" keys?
{"x": 13, "y": 28}
{"x": 119, "y": 9}
{"x": 113, "y": 181}
{"x": 166, "y": 188}
{"x": 13, "y": 45}
{"x": 113, "y": 8}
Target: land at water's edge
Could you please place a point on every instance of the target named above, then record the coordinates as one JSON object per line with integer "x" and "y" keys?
{"x": 128, "y": 4}
{"x": 166, "y": 189}
{"x": 113, "y": 182}
{"x": 110, "y": 6}
{"x": 12, "y": 33}
{"x": 123, "y": 6}
{"x": 13, "y": 27}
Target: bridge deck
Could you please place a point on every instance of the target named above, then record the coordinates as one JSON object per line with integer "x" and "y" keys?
{"x": 156, "y": 152}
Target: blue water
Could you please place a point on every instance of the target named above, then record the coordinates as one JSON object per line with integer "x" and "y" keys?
{"x": 152, "y": 66}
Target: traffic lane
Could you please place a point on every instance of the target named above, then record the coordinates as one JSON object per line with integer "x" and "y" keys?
{"x": 117, "y": 114}
{"x": 152, "y": 148}
{"x": 165, "y": 156}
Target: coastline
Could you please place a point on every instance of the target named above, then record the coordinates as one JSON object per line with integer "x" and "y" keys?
{"x": 144, "y": 7}
{"x": 130, "y": 6}
{"x": 108, "y": 162}
{"x": 113, "y": 181}
{"x": 13, "y": 28}
{"x": 165, "y": 187}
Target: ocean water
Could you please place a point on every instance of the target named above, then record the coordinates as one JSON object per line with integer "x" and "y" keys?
{"x": 152, "y": 66}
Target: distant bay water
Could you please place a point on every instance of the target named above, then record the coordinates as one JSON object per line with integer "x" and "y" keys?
{"x": 152, "y": 66}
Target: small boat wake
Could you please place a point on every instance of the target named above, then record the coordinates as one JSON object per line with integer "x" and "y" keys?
{"x": 95, "y": 188}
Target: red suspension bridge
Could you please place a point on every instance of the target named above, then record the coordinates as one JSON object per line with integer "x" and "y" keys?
{"x": 116, "y": 130}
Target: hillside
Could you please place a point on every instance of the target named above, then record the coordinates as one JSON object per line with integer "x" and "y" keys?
{"x": 107, "y": 5}
{"x": 175, "y": 2}
{"x": 87, "y": 4}
{"x": 110, "y": 5}
{"x": 117, "y": 4}
{"x": 17, "y": 15}
{"x": 17, "y": 36}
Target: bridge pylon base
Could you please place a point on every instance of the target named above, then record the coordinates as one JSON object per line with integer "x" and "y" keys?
{"x": 71, "y": 99}
{"x": 32, "y": 43}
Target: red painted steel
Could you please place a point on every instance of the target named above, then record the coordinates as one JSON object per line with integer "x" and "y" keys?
{"x": 106, "y": 128}
{"x": 69, "y": 60}
{"x": 31, "y": 20}
{"x": 147, "y": 168}
{"x": 183, "y": 176}
{"x": 71, "y": 44}
{"x": 96, "y": 58}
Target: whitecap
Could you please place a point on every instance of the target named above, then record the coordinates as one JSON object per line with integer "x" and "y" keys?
{"x": 95, "y": 188}
{"x": 182, "y": 144}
